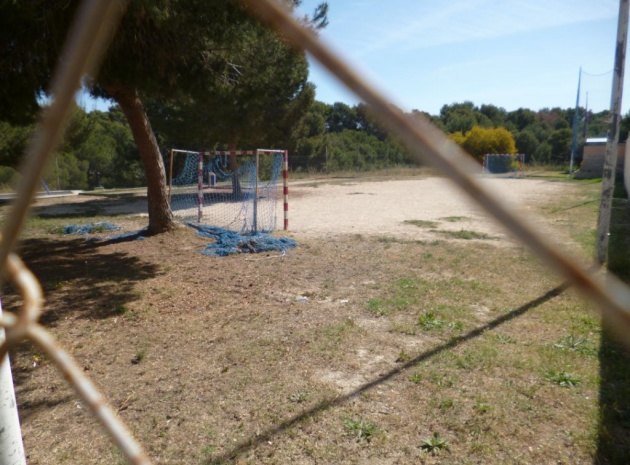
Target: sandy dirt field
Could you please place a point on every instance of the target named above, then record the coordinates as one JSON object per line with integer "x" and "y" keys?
{"x": 358, "y": 206}
{"x": 381, "y": 208}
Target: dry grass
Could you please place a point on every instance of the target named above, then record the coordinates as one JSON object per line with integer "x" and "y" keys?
{"x": 443, "y": 351}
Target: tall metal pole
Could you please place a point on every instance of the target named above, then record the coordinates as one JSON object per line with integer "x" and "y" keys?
{"x": 610, "y": 160}
{"x": 575, "y": 124}
{"x": 584, "y": 133}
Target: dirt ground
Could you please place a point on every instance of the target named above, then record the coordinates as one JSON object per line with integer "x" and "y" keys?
{"x": 384, "y": 327}
{"x": 330, "y": 207}
{"x": 381, "y": 208}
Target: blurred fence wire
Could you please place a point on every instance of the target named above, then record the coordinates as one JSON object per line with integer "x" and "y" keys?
{"x": 94, "y": 25}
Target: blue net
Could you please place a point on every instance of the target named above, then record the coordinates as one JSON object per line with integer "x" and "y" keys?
{"x": 231, "y": 242}
{"x": 242, "y": 200}
{"x": 89, "y": 228}
{"x": 128, "y": 236}
{"x": 93, "y": 228}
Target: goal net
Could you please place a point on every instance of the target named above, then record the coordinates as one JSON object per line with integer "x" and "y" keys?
{"x": 203, "y": 189}
{"x": 507, "y": 165}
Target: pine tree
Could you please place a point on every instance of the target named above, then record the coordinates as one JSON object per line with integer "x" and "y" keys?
{"x": 163, "y": 49}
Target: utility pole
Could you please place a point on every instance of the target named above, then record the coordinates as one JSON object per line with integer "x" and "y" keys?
{"x": 585, "y": 133}
{"x": 610, "y": 160}
{"x": 575, "y": 125}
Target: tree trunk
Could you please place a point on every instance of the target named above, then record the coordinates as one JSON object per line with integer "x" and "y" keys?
{"x": 160, "y": 214}
{"x": 237, "y": 191}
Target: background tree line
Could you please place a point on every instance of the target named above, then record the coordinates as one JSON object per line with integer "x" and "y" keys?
{"x": 98, "y": 148}
{"x": 338, "y": 136}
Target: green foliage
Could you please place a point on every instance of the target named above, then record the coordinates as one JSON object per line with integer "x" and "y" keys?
{"x": 542, "y": 155}
{"x": 13, "y": 140}
{"x": 579, "y": 344}
{"x": 361, "y": 429}
{"x": 98, "y": 150}
{"x": 464, "y": 234}
{"x": 526, "y": 143}
{"x": 8, "y": 178}
{"x": 422, "y": 223}
{"x": 300, "y": 396}
{"x": 562, "y": 378}
{"x": 435, "y": 444}
{"x": 560, "y": 142}
{"x": 429, "y": 321}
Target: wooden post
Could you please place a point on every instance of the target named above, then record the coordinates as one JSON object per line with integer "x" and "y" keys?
{"x": 610, "y": 160}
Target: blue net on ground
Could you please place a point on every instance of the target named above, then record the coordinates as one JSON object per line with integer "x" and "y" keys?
{"x": 90, "y": 228}
{"x": 128, "y": 236}
{"x": 231, "y": 242}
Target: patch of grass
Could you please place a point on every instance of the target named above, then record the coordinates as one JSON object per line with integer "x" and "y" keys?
{"x": 207, "y": 451}
{"x": 504, "y": 338}
{"x": 403, "y": 356}
{"x": 442, "y": 380}
{"x": 455, "y": 219}
{"x": 435, "y": 444}
{"x": 403, "y": 328}
{"x": 578, "y": 344}
{"x": 335, "y": 334}
{"x": 377, "y": 306}
{"x": 361, "y": 429}
{"x": 446, "y": 404}
{"x": 416, "y": 378}
{"x": 465, "y": 234}
{"x": 481, "y": 407}
{"x": 402, "y": 294}
{"x": 429, "y": 321}
{"x": 422, "y": 223}
{"x": 587, "y": 239}
{"x": 300, "y": 396}
{"x": 562, "y": 378}
{"x": 389, "y": 240}
{"x": 121, "y": 310}
{"x": 139, "y": 356}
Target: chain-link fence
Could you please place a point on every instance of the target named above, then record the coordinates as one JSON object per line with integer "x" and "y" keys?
{"x": 94, "y": 25}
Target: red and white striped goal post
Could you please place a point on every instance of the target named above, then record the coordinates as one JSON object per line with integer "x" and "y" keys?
{"x": 257, "y": 152}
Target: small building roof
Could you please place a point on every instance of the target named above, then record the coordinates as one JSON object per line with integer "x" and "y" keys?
{"x": 596, "y": 140}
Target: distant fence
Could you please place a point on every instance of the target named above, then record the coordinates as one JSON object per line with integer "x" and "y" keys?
{"x": 91, "y": 30}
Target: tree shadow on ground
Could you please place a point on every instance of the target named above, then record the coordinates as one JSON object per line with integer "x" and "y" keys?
{"x": 80, "y": 279}
{"x": 265, "y": 436}
{"x": 613, "y": 446}
{"x": 110, "y": 205}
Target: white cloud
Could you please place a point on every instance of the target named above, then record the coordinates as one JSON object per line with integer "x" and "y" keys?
{"x": 365, "y": 26}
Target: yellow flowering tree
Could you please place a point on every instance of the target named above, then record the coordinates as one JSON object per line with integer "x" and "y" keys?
{"x": 480, "y": 141}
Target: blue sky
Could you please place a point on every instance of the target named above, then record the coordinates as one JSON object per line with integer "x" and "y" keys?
{"x": 509, "y": 53}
